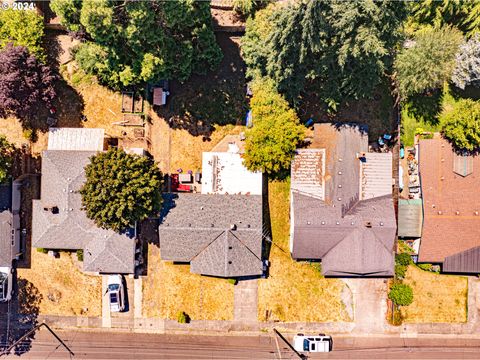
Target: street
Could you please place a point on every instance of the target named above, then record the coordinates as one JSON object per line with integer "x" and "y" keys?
{"x": 103, "y": 345}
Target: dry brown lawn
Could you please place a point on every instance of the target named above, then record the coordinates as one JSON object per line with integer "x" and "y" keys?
{"x": 295, "y": 291}
{"x": 63, "y": 289}
{"x": 170, "y": 288}
{"x": 436, "y": 298}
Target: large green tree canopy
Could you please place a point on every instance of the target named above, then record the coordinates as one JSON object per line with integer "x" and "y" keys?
{"x": 131, "y": 42}
{"x": 429, "y": 62}
{"x": 271, "y": 142}
{"x": 22, "y": 28}
{"x": 121, "y": 189}
{"x": 343, "y": 48}
{"x": 461, "y": 124}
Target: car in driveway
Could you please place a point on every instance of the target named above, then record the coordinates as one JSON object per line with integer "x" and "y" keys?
{"x": 312, "y": 343}
{"x": 6, "y": 284}
{"x": 116, "y": 293}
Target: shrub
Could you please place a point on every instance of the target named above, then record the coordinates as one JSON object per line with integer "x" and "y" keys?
{"x": 403, "y": 259}
{"x": 460, "y": 124}
{"x": 232, "y": 281}
{"x": 80, "y": 255}
{"x": 42, "y": 250}
{"x": 30, "y": 134}
{"x": 401, "y": 294}
{"x": 426, "y": 267}
{"x": 183, "y": 318}
{"x": 400, "y": 271}
{"x": 397, "y": 317}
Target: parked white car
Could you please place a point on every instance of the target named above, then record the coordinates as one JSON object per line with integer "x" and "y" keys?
{"x": 116, "y": 293}
{"x": 312, "y": 343}
{"x": 6, "y": 284}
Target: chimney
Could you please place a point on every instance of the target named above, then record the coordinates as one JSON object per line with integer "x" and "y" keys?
{"x": 368, "y": 224}
{"x": 233, "y": 227}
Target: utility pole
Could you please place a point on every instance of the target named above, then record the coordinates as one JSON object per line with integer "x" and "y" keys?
{"x": 300, "y": 356}
{"x": 7, "y": 351}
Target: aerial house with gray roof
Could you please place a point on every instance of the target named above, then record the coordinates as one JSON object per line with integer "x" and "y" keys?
{"x": 220, "y": 231}
{"x": 10, "y": 248}
{"x": 342, "y": 210}
{"x": 59, "y": 221}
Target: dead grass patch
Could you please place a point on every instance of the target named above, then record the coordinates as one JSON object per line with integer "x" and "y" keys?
{"x": 63, "y": 288}
{"x": 436, "y": 298}
{"x": 170, "y": 288}
{"x": 295, "y": 291}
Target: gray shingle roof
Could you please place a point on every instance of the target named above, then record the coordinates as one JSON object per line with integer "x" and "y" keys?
{"x": 62, "y": 177}
{"x": 220, "y": 235}
{"x": 467, "y": 261}
{"x": 352, "y": 237}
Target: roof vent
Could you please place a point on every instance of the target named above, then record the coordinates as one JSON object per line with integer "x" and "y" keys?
{"x": 433, "y": 206}
{"x": 476, "y": 213}
{"x": 190, "y": 225}
{"x": 338, "y": 222}
{"x": 323, "y": 223}
{"x": 233, "y": 227}
{"x": 339, "y": 199}
{"x": 439, "y": 212}
{"x": 201, "y": 207}
{"x": 230, "y": 248}
{"x": 339, "y": 173}
{"x": 457, "y": 212}
{"x": 229, "y": 262}
{"x": 340, "y": 186}
{"x": 248, "y": 225}
{"x": 212, "y": 225}
{"x": 309, "y": 223}
{"x": 381, "y": 223}
{"x": 442, "y": 160}
{"x": 340, "y": 159}
{"x": 368, "y": 224}
{"x": 53, "y": 209}
{"x": 352, "y": 223}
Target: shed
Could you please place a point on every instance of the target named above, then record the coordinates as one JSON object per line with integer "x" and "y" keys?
{"x": 410, "y": 218}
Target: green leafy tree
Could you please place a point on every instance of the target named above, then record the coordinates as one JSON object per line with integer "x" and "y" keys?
{"x": 461, "y": 124}
{"x": 429, "y": 62}
{"x": 464, "y": 15}
{"x": 132, "y": 42}
{"x": 341, "y": 48}
{"x": 22, "y": 28}
{"x": 467, "y": 69}
{"x": 6, "y": 158}
{"x": 121, "y": 189}
{"x": 271, "y": 142}
{"x": 401, "y": 294}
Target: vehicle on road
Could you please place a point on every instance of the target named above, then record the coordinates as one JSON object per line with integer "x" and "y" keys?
{"x": 116, "y": 293}
{"x": 6, "y": 283}
{"x": 312, "y": 343}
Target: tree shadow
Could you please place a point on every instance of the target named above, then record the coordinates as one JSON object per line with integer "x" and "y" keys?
{"x": 425, "y": 108}
{"x": 470, "y": 92}
{"x": 23, "y": 316}
{"x": 68, "y": 104}
{"x": 216, "y": 98}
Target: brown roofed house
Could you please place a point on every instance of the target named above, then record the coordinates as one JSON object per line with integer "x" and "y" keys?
{"x": 451, "y": 205}
{"x": 341, "y": 204}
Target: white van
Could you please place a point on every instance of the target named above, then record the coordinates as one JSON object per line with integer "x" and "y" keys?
{"x": 312, "y": 343}
{"x": 6, "y": 284}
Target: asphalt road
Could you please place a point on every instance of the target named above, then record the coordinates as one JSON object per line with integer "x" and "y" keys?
{"x": 90, "y": 345}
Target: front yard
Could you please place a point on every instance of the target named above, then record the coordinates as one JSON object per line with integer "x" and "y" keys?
{"x": 436, "y": 298}
{"x": 296, "y": 291}
{"x": 58, "y": 283}
{"x": 170, "y": 288}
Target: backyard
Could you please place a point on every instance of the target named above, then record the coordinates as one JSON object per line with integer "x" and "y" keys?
{"x": 436, "y": 298}
{"x": 296, "y": 291}
{"x": 170, "y": 288}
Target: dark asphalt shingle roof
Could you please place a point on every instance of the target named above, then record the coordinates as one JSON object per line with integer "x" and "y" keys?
{"x": 6, "y": 221}
{"x": 352, "y": 237}
{"x": 62, "y": 177}
{"x": 220, "y": 235}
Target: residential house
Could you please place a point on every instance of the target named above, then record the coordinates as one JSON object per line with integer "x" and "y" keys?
{"x": 10, "y": 247}
{"x": 59, "y": 220}
{"x": 220, "y": 231}
{"x": 451, "y": 206}
{"x": 341, "y": 202}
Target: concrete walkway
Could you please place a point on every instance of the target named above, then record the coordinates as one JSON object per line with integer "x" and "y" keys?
{"x": 245, "y": 303}
{"x": 370, "y": 304}
{"x": 106, "y": 318}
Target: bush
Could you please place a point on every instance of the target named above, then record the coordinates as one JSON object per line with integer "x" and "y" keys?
{"x": 232, "y": 281}
{"x": 400, "y": 271}
{"x": 403, "y": 259}
{"x": 42, "y": 250}
{"x": 397, "y": 317}
{"x": 460, "y": 124}
{"x": 183, "y": 318}
{"x": 401, "y": 294}
{"x": 80, "y": 255}
{"x": 30, "y": 135}
{"x": 426, "y": 267}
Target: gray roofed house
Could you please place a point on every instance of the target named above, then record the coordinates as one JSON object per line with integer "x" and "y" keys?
{"x": 352, "y": 227}
{"x": 59, "y": 222}
{"x": 467, "y": 261}
{"x": 219, "y": 235}
{"x": 9, "y": 223}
